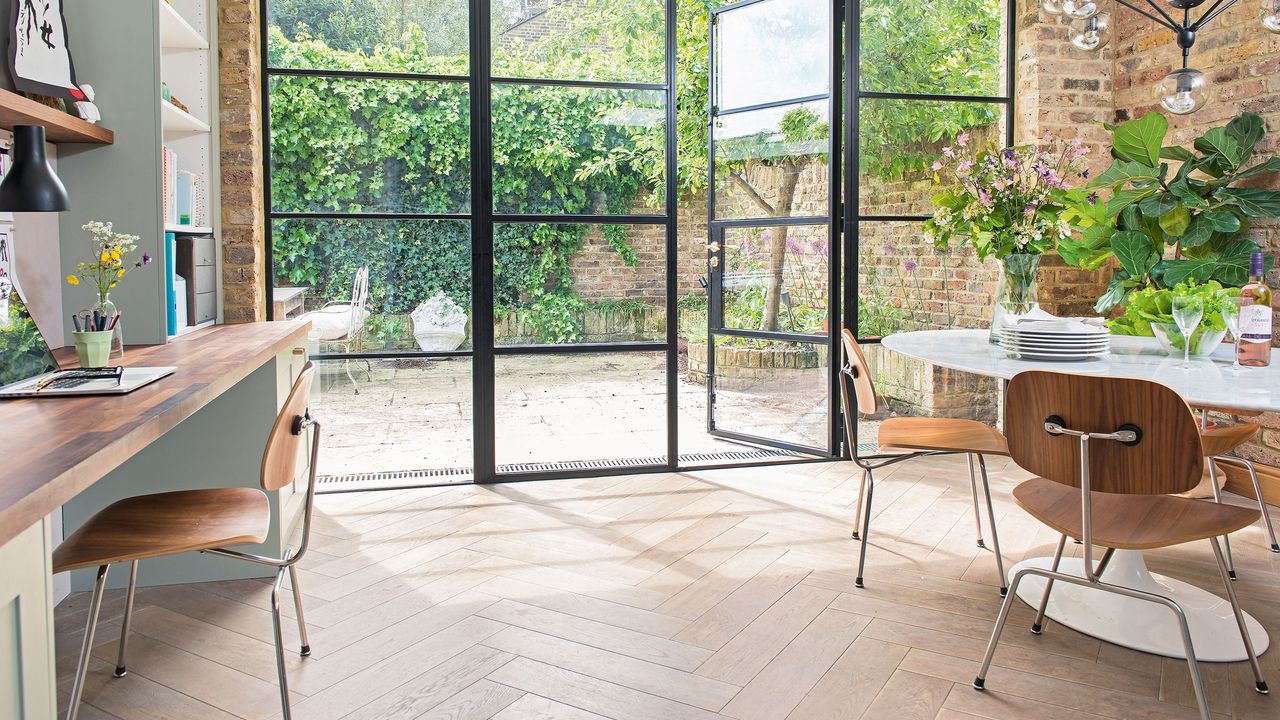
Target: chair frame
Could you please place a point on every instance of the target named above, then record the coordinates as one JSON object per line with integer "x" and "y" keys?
{"x": 1217, "y": 494}
{"x": 1093, "y": 577}
{"x": 866, "y": 487}
{"x": 287, "y": 563}
{"x": 353, "y": 340}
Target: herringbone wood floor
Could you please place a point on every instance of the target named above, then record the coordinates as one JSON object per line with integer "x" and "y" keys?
{"x": 696, "y": 595}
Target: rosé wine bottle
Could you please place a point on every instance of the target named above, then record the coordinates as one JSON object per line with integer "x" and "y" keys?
{"x": 1254, "y": 348}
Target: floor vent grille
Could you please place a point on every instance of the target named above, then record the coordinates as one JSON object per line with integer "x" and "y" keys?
{"x": 449, "y": 476}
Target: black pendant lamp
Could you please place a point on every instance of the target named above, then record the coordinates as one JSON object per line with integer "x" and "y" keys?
{"x": 31, "y": 185}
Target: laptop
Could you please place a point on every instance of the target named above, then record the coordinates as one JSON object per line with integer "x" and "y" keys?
{"x": 28, "y": 368}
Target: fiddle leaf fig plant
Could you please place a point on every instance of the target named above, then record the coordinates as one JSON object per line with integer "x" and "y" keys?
{"x": 1166, "y": 226}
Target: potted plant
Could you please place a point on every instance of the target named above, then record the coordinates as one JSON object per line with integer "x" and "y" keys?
{"x": 98, "y": 326}
{"x": 439, "y": 324}
{"x": 1007, "y": 203}
{"x": 1167, "y": 227}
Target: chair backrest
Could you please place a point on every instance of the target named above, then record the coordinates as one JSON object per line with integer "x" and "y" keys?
{"x": 857, "y": 371}
{"x": 285, "y": 443}
{"x": 359, "y": 299}
{"x": 1166, "y": 458}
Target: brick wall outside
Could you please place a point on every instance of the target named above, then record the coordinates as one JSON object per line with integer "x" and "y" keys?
{"x": 240, "y": 117}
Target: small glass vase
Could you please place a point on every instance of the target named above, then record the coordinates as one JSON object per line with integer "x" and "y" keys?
{"x": 106, "y": 309}
{"x": 1015, "y": 293}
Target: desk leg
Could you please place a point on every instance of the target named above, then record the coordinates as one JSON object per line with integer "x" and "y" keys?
{"x": 1138, "y": 624}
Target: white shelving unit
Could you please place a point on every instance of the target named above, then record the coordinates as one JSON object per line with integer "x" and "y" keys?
{"x": 176, "y": 33}
{"x": 177, "y": 121}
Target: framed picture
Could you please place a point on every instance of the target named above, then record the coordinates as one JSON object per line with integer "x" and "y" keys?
{"x": 39, "y": 56}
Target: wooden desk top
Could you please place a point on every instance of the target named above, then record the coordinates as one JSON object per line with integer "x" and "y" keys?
{"x": 54, "y": 448}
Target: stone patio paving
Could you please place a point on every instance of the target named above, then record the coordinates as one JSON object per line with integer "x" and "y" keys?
{"x": 414, "y": 415}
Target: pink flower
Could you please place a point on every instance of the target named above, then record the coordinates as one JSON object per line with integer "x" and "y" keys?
{"x": 984, "y": 196}
{"x": 937, "y": 165}
{"x": 949, "y": 151}
{"x": 963, "y": 139}
{"x": 910, "y": 265}
{"x": 1048, "y": 136}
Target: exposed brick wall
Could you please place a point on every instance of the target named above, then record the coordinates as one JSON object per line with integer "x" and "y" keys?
{"x": 240, "y": 116}
{"x": 1241, "y": 61}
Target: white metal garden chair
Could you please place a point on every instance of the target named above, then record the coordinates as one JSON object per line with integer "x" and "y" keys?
{"x": 342, "y": 323}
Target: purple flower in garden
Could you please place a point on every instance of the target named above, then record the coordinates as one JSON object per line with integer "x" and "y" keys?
{"x": 949, "y": 151}
{"x": 910, "y": 265}
{"x": 1048, "y": 136}
{"x": 937, "y": 165}
{"x": 1031, "y": 210}
{"x": 1010, "y": 154}
{"x": 746, "y": 246}
{"x": 794, "y": 245}
{"x": 965, "y": 166}
{"x": 984, "y": 196}
{"x": 146, "y": 259}
{"x": 1084, "y": 174}
{"x": 1093, "y": 198}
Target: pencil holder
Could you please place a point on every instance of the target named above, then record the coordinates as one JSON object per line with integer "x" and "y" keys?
{"x": 93, "y": 348}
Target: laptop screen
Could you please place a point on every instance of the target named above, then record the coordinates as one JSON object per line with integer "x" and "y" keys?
{"x": 23, "y": 351}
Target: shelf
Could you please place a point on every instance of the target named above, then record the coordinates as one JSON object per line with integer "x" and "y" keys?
{"x": 188, "y": 229}
{"x": 177, "y": 121}
{"x": 59, "y": 127}
{"x": 176, "y": 33}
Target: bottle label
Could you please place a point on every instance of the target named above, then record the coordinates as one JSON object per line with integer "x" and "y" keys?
{"x": 1255, "y": 323}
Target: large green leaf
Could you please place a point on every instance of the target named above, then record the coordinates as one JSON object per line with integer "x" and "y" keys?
{"x": 1197, "y": 234}
{"x": 1176, "y": 221}
{"x": 1173, "y": 152}
{"x": 1269, "y": 166}
{"x": 1182, "y": 190}
{"x": 1253, "y": 202}
{"x": 1218, "y": 142}
{"x": 1135, "y": 253}
{"x": 1141, "y": 139}
{"x": 1173, "y": 272}
{"x": 1117, "y": 289}
{"x": 1222, "y": 220}
{"x": 1246, "y": 129}
{"x": 1121, "y": 172}
{"x": 1158, "y": 204}
{"x": 1122, "y": 199}
{"x": 1232, "y": 268}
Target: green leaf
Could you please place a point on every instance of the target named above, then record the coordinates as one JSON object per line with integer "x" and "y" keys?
{"x": 1253, "y": 202}
{"x": 1187, "y": 195}
{"x": 1141, "y": 139}
{"x": 1158, "y": 205}
{"x": 1197, "y": 234}
{"x": 1232, "y": 267}
{"x": 1222, "y": 220}
{"x": 1269, "y": 166}
{"x": 1122, "y": 199}
{"x": 1175, "y": 221}
{"x": 1218, "y": 142}
{"x": 1180, "y": 154}
{"x": 1123, "y": 171}
{"x": 1116, "y": 292}
{"x": 1173, "y": 272}
{"x": 1134, "y": 251}
{"x": 1246, "y": 129}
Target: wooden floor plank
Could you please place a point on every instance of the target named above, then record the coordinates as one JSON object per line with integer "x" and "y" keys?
{"x": 588, "y": 693}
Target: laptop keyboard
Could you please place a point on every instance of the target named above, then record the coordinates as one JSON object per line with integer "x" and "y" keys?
{"x": 67, "y": 383}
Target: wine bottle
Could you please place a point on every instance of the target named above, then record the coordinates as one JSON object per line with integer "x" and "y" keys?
{"x": 1254, "y": 348}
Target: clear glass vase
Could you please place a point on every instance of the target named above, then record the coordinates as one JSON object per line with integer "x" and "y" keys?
{"x": 1016, "y": 291}
{"x": 104, "y": 308}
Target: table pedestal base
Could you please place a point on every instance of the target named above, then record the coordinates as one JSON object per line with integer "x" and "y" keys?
{"x": 1139, "y": 624}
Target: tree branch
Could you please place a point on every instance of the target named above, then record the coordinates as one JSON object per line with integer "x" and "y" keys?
{"x": 751, "y": 193}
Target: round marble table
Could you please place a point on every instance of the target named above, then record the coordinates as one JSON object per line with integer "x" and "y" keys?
{"x": 1129, "y": 622}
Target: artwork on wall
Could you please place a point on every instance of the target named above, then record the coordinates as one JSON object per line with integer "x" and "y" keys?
{"x": 39, "y": 54}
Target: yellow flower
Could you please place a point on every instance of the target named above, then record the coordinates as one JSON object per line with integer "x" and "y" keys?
{"x": 106, "y": 256}
{"x": 115, "y": 255}
{"x": 73, "y": 280}
{"x": 120, "y": 273}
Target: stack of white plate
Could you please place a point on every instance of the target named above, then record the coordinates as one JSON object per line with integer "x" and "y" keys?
{"x": 1066, "y": 340}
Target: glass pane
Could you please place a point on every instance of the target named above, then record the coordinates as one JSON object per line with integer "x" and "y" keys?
{"x": 601, "y": 40}
{"x": 422, "y": 36}
{"x": 583, "y": 407}
{"x": 575, "y": 283}
{"x": 772, "y": 162}
{"x": 771, "y": 51}
{"x": 342, "y": 145}
{"x": 410, "y": 262}
{"x": 953, "y": 47}
{"x": 900, "y": 140}
{"x": 775, "y": 390}
{"x": 775, "y": 278}
{"x": 569, "y": 150}
{"x": 410, "y": 424}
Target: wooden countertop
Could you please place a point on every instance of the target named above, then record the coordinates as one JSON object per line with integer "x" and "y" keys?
{"x": 54, "y": 448}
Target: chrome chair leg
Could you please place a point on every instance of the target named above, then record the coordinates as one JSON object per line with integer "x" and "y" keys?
{"x": 995, "y": 536}
{"x": 1261, "y": 685}
{"x": 297, "y": 604}
{"x": 866, "y": 528}
{"x": 1217, "y": 497}
{"x": 980, "y": 682}
{"x": 128, "y": 615}
{"x": 977, "y": 511}
{"x": 1037, "y": 627}
{"x": 1257, "y": 492}
{"x": 279, "y": 637}
{"x": 857, "y": 513}
{"x": 82, "y": 669}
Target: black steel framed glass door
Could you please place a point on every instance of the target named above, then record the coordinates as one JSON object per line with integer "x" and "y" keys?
{"x": 773, "y": 241}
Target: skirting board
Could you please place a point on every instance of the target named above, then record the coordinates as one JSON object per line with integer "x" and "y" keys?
{"x": 1238, "y": 481}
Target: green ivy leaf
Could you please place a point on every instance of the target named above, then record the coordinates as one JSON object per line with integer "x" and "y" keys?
{"x": 1141, "y": 139}
{"x": 1253, "y": 202}
{"x": 1175, "y": 221}
{"x": 1135, "y": 253}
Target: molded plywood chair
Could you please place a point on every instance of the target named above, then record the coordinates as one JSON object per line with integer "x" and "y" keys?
{"x": 1110, "y": 453}
{"x": 905, "y": 438}
{"x": 149, "y": 526}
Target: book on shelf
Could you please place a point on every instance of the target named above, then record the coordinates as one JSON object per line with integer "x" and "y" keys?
{"x": 185, "y": 197}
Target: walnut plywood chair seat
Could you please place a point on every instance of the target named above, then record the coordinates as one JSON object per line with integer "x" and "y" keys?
{"x": 206, "y": 520}
{"x": 1111, "y": 453}
{"x": 905, "y": 438}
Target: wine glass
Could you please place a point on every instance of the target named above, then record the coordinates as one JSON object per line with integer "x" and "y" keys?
{"x": 1231, "y": 317}
{"x": 1187, "y": 313}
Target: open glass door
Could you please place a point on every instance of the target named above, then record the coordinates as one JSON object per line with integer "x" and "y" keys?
{"x": 772, "y": 246}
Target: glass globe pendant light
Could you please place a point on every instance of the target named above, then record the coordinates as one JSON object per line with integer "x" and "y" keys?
{"x": 1183, "y": 91}
{"x": 1051, "y": 7}
{"x": 1271, "y": 15}
{"x": 1091, "y": 33}
{"x": 1080, "y": 9}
